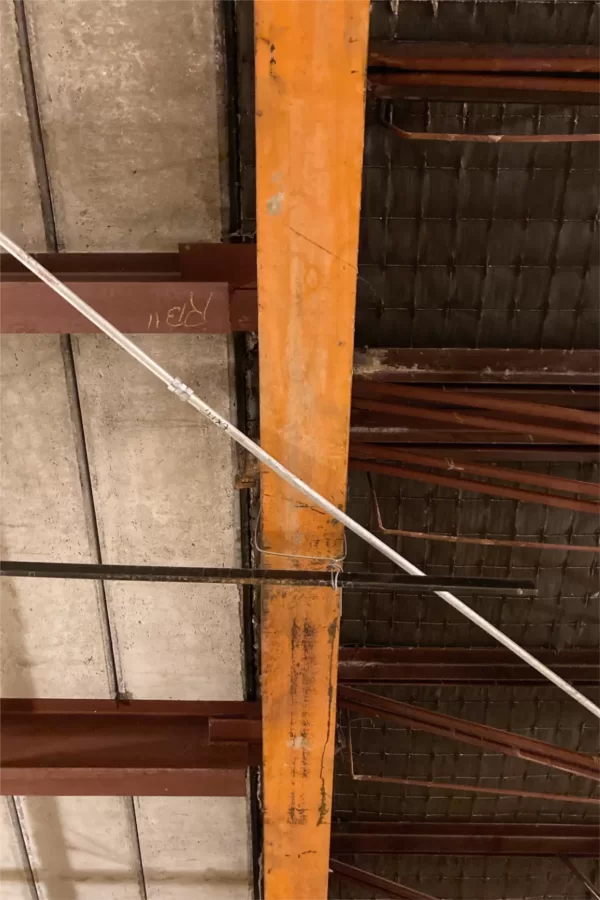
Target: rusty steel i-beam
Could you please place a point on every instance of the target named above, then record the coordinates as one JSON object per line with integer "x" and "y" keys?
{"x": 137, "y": 748}
{"x": 461, "y": 665}
{"x": 495, "y": 739}
{"x": 466, "y": 839}
{"x": 203, "y": 289}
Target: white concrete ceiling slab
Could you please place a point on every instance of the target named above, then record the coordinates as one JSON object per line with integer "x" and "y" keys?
{"x": 130, "y": 97}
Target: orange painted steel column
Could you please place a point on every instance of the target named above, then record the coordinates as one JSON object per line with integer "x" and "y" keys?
{"x": 310, "y": 79}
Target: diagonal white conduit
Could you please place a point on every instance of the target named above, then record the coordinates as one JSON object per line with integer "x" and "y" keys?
{"x": 185, "y": 393}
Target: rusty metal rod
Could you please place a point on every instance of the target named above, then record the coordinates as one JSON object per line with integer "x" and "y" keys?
{"x": 464, "y": 138}
{"x": 497, "y": 740}
{"x": 464, "y": 539}
{"x": 478, "y": 487}
{"x": 483, "y": 401}
{"x": 443, "y": 415}
{"x": 456, "y": 56}
{"x": 459, "y": 666}
{"x": 487, "y": 542}
{"x": 376, "y": 882}
{"x": 531, "y": 83}
{"x": 474, "y": 452}
{"x": 294, "y": 577}
{"x": 453, "y": 786}
{"x": 593, "y": 891}
{"x": 456, "y": 838}
{"x": 478, "y": 789}
{"x": 389, "y": 452}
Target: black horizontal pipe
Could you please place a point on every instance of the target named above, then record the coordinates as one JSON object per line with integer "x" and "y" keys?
{"x": 367, "y": 581}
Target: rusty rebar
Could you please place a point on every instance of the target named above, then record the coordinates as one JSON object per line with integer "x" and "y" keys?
{"x": 453, "y": 786}
{"x": 479, "y": 487}
{"x": 445, "y": 415}
{"x": 497, "y": 740}
{"x": 389, "y": 452}
{"x": 459, "y": 56}
{"x": 452, "y": 137}
{"x": 484, "y": 401}
{"x": 478, "y": 789}
{"x": 412, "y": 83}
{"x": 465, "y": 539}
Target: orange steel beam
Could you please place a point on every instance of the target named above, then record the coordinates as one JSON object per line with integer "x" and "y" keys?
{"x": 310, "y": 80}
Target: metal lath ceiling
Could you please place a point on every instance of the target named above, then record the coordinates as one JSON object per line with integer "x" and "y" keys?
{"x": 479, "y": 245}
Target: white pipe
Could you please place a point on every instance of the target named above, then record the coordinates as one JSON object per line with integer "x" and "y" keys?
{"x": 186, "y": 394}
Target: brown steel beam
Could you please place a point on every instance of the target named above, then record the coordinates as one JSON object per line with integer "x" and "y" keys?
{"x": 99, "y": 267}
{"x": 513, "y": 405}
{"x": 234, "y": 263}
{"x": 206, "y": 288}
{"x": 385, "y": 452}
{"x": 465, "y": 446}
{"x": 440, "y": 56}
{"x": 480, "y": 487}
{"x": 567, "y": 397}
{"x": 466, "y": 839}
{"x": 483, "y": 88}
{"x": 495, "y": 739}
{"x": 231, "y": 263}
{"x": 68, "y": 781}
{"x": 387, "y": 429}
{"x": 455, "y": 787}
{"x": 462, "y": 665}
{"x": 105, "y": 748}
{"x": 375, "y": 882}
{"x": 121, "y": 710}
{"x": 528, "y": 429}
{"x": 478, "y": 366}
